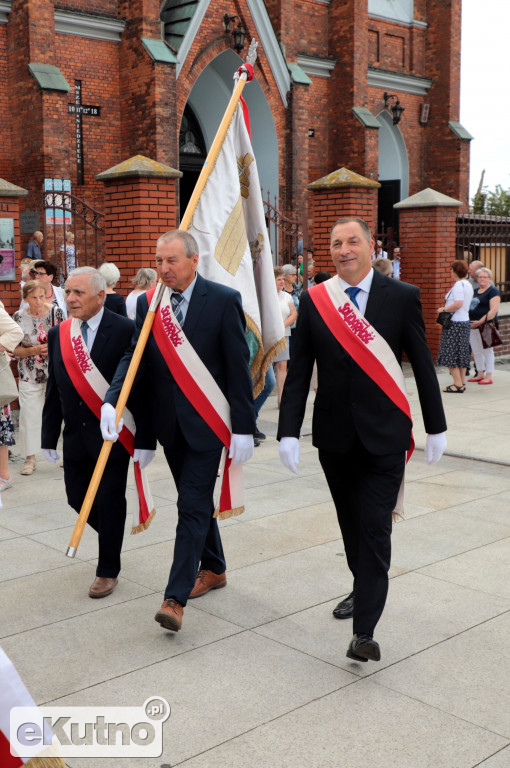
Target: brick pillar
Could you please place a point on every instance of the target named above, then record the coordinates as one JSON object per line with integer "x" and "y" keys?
{"x": 341, "y": 193}
{"x": 9, "y": 209}
{"x": 140, "y": 203}
{"x": 428, "y": 229}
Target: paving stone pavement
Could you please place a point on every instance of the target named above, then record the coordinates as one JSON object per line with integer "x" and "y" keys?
{"x": 258, "y": 675}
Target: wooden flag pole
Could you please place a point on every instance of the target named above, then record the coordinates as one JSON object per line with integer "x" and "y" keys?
{"x": 149, "y": 319}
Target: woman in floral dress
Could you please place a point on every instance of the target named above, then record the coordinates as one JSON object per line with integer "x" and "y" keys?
{"x": 35, "y": 321}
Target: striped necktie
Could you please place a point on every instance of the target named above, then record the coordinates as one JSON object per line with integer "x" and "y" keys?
{"x": 176, "y": 299}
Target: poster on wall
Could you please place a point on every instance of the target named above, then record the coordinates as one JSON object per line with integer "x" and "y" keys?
{"x": 7, "y": 263}
{"x": 55, "y": 214}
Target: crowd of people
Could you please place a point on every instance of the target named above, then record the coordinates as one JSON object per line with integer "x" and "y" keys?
{"x": 74, "y": 346}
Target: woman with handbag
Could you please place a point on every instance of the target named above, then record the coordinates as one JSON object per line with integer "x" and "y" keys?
{"x": 454, "y": 345}
{"x": 484, "y": 309}
{"x": 35, "y": 321}
{"x": 10, "y": 336}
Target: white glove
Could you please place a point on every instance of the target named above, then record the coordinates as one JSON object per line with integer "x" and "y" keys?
{"x": 289, "y": 453}
{"x": 50, "y": 454}
{"x": 435, "y": 447}
{"x": 144, "y": 456}
{"x": 108, "y": 419}
{"x": 241, "y": 449}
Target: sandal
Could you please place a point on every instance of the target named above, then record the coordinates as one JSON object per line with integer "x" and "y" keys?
{"x": 5, "y": 482}
{"x": 454, "y": 388}
{"x": 28, "y": 467}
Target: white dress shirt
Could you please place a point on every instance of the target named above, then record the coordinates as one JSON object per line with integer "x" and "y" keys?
{"x": 93, "y": 325}
{"x": 365, "y": 286}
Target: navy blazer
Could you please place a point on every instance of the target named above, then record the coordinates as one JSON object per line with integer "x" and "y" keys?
{"x": 348, "y": 402}
{"x": 82, "y": 435}
{"x": 214, "y": 325}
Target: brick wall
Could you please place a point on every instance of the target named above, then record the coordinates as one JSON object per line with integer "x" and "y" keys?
{"x": 137, "y": 212}
{"x": 329, "y": 205}
{"x": 5, "y": 143}
{"x": 142, "y": 101}
{"x": 427, "y": 237}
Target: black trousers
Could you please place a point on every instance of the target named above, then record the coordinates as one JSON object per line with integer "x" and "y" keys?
{"x": 364, "y": 488}
{"x": 108, "y": 513}
{"x": 197, "y": 538}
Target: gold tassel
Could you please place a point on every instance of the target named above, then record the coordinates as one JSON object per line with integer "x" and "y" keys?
{"x": 143, "y": 526}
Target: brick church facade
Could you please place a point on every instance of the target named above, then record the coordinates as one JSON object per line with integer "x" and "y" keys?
{"x": 157, "y": 75}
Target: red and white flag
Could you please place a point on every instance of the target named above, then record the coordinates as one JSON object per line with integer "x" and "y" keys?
{"x": 14, "y": 694}
{"x": 230, "y": 229}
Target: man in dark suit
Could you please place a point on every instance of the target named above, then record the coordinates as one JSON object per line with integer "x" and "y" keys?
{"x": 212, "y": 319}
{"x": 362, "y": 436}
{"x": 106, "y": 336}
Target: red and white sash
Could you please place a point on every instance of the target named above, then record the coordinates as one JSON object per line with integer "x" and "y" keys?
{"x": 366, "y": 347}
{"x": 92, "y": 388}
{"x": 204, "y": 394}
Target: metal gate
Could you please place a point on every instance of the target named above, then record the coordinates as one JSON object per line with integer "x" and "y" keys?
{"x": 283, "y": 231}
{"x": 485, "y": 238}
{"x": 69, "y": 220}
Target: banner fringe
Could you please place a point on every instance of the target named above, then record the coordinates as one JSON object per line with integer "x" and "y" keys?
{"x": 48, "y": 758}
{"x": 228, "y": 513}
{"x": 143, "y": 526}
{"x": 262, "y": 360}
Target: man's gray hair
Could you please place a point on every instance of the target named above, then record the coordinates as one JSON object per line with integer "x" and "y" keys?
{"x": 188, "y": 241}
{"x": 97, "y": 280}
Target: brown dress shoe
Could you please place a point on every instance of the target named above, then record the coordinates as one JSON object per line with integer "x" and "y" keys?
{"x": 207, "y": 580}
{"x": 102, "y": 587}
{"x": 170, "y": 615}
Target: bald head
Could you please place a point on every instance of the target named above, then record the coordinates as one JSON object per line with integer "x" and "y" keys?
{"x": 473, "y": 267}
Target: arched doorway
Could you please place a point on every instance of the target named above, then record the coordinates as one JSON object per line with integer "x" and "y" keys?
{"x": 207, "y": 102}
{"x": 393, "y": 172}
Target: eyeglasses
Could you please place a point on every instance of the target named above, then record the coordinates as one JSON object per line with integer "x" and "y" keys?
{"x": 39, "y": 274}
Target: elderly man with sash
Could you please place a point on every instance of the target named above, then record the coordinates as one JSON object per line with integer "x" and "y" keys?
{"x": 356, "y": 326}
{"x": 196, "y": 368}
{"x": 83, "y": 353}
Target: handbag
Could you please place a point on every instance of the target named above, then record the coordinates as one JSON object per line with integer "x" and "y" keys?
{"x": 444, "y": 319}
{"x": 490, "y": 334}
{"x": 8, "y": 388}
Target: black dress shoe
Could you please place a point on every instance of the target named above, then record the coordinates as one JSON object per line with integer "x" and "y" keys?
{"x": 256, "y": 441}
{"x": 363, "y": 648}
{"x": 345, "y": 608}
{"x": 258, "y": 434}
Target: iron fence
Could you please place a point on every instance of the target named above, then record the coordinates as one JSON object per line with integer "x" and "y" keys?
{"x": 487, "y": 239}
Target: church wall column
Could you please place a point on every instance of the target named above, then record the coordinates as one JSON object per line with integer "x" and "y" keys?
{"x": 342, "y": 193}
{"x": 140, "y": 204}
{"x": 428, "y": 230}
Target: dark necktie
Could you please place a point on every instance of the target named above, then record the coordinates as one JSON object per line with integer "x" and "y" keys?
{"x": 176, "y": 299}
{"x": 352, "y": 293}
{"x": 84, "y": 329}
